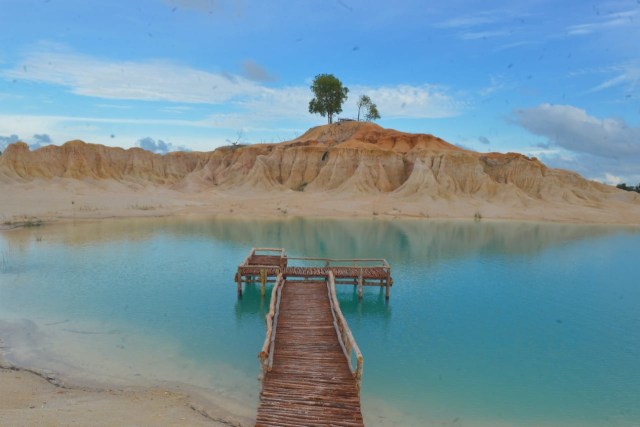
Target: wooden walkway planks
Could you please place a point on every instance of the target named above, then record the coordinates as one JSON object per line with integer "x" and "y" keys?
{"x": 310, "y": 383}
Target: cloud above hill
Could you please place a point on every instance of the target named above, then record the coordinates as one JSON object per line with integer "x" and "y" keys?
{"x": 601, "y": 146}
{"x": 8, "y": 139}
{"x": 159, "y": 146}
{"x": 161, "y": 80}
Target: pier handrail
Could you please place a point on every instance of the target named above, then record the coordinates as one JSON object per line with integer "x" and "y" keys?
{"x": 383, "y": 262}
{"x": 277, "y": 250}
{"x": 266, "y": 354}
{"x": 246, "y": 260}
{"x": 345, "y": 337}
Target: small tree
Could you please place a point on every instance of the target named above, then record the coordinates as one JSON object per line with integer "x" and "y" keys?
{"x": 372, "y": 114}
{"x": 370, "y": 108}
{"x": 626, "y": 187}
{"x": 364, "y": 101}
{"x": 329, "y": 96}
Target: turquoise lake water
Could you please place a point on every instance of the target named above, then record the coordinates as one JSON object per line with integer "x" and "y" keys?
{"x": 489, "y": 324}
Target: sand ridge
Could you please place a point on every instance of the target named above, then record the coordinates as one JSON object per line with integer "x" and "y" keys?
{"x": 344, "y": 169}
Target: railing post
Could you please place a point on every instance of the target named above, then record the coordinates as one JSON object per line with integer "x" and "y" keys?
{"x": 263, "y": 281}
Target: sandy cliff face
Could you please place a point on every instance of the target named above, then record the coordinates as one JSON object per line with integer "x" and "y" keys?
{"x": 79, "y": 160}
{"x": 357, "y": 159}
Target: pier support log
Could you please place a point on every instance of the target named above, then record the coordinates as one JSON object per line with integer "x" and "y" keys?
{"x": 388, "y": 286}
{"x": 263, "y": 282}
{"x": 360, "y": 280}
{"x": 239, "y": 283}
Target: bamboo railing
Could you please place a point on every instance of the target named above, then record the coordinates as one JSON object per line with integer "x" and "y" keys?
{"x": 349, "y": 262}
{"x": 266, "y": 263}
{"x": 266, "y": 252}
{"x": 266, "y": 354}
{"x": 345, "y": 337}
{"x": 279, "y": 251}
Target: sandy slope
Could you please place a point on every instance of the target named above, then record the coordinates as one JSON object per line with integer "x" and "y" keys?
{"x": 27, "y": 399}
{"x": 343, "y": 169}
{"x": 66, "y": 199}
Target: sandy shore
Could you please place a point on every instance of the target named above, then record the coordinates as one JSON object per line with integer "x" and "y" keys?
{"x": 62, "y": 199}
{"x": 31, "y": 399}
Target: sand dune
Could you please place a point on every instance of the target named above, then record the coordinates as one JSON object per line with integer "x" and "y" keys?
{"x": 340, "y": 169}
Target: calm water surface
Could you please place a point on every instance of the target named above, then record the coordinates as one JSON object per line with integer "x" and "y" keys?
{"x": 489, "y": 324}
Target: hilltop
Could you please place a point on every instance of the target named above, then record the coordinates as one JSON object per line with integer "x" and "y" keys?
{"x": 350, "y": 168}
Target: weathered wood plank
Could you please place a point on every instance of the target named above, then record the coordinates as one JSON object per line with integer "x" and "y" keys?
{"x": 310, "y": 383}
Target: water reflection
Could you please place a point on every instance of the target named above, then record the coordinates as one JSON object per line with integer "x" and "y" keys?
{"x": 400, "y": 241}
{"x": 252, "y": 303}
{"x": 373, "y": 303}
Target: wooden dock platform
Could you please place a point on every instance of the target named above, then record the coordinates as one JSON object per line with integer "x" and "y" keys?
{"x": 311, "y": 366}
{"x": 263, "y": 265}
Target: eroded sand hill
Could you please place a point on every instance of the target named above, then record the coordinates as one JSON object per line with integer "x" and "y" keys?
{"x": 341, "y": 169}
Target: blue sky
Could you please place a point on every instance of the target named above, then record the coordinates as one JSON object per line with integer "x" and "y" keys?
{"x": 559, "y": 80}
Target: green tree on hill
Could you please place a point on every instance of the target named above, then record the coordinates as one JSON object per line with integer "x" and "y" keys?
{"x": 371, "y": 109}
{"x": 329, "y": 96}
{"x": 626, "y": 187}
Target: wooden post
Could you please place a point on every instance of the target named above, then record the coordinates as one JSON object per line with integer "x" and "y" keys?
{"x": 388, "y": 290}
{"x": 360, "y": 280}
{"x": 239, "y": 283}
{"x": 263, "y": 282}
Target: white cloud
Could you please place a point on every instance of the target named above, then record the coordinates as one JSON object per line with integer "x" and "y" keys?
{"x": 482, "y": 25}
{"x": 8, "y": 139}
{"x": 573, "y": 129}
{"x": 623, "y": 74}
{"x": 599, "y": 146}
{"x": 154, "y": 80}
{"x": 497, "y": 83}
{"x": 628, "y": 74}
{"x": 405, "y": 101}
{"x": 516, "y": 45}
{"x": 165, "y": 81}
{"x": 289, "y": 102}
{"x": 399, "y": 101}
{"x": 466, "y": 21}
{"x": 25, "y": 123}
{"x": 611, "y": 171}
{"x": 478, "y": 35}
{"x": 611, "y": 21}
{"x": 40, "y": 140}
{"x": 114, "y": 106}
{"x": 178, "y": 109}
{"x": 612, "y": 179}
{"x": 159, "y": 146}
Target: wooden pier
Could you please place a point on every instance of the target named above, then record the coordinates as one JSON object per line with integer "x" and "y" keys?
{"x": 311, "y": 366}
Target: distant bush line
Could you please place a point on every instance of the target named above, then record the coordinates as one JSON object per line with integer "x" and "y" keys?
{"x": 624, "y": 186}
